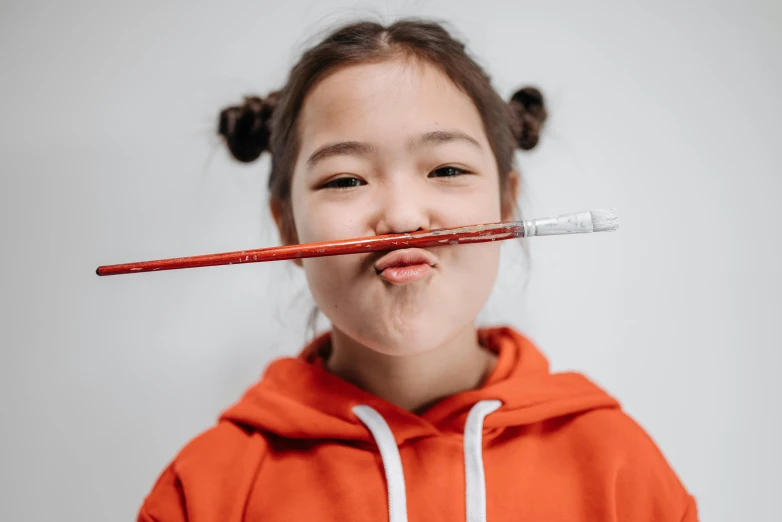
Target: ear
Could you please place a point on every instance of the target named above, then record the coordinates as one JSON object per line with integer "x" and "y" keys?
{"x": 511, "y": 197}
{"x": 283, "y": 228}
{"x": 276, "y": 212}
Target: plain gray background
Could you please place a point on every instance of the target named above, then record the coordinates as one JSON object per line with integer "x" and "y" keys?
{"x": 669, "y": 111}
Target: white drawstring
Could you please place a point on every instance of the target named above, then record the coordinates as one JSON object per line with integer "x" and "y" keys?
{"x": 475, "y": 486}
{"x": 392, "y": 462}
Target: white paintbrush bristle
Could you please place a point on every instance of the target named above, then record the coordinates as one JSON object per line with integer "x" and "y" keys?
{"x": 604, "y": 220}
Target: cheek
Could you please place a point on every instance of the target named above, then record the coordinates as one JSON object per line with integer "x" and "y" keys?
{"x": 301, "y": 213}
{"x": 329, "y": 278}
{"x": 476, "y": 266}
{"x": 474, "y": 208}
{"x": 317, "y": 220}
{"x": 335, "y": 287}
{"x": 471, "y": 279}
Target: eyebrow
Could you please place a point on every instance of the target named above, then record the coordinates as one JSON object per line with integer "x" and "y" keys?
{"x": 439, "y": 138}
{"x": 343, "y": 148}
{"x": 360, "y": 148}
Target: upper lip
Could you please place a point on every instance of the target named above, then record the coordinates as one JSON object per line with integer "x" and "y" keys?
{"x": 405, "y": 257}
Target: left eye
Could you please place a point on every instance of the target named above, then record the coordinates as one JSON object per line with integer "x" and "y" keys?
{"x": 447, "y": 172}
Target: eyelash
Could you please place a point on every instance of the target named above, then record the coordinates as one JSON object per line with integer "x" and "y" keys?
{"x": 346, "y": 183}
{"x": 343, "y": 183}
{"x": 459, "y": 172}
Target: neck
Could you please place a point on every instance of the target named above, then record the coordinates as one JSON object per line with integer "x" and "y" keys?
{"x": 413, "y": 382}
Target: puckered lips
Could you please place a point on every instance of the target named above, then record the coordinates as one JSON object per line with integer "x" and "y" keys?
{"x": 406, "y": 265}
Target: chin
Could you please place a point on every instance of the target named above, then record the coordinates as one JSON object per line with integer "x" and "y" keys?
{"x": 405, "y": 336}
{"x": 404, "y": 320}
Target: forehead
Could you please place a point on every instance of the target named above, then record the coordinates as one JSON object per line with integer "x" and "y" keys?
{"x": 384, "y": 101}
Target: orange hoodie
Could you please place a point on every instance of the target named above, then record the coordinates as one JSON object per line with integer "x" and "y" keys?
{"x": 305, "y": 445}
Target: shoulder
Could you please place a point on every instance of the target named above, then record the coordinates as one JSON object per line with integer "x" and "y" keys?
{"x": 217, "y": 447}
{"x": 614, "y": 435}
{"x": 220, "y": 460}
{"x": 643, "y": 481}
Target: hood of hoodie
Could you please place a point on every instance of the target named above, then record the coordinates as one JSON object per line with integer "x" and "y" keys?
{"x": 303, "y": 444}
{"x": 299, "y": 399}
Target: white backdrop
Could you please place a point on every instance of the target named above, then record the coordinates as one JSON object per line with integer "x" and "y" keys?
{"x": 670, "y": 112}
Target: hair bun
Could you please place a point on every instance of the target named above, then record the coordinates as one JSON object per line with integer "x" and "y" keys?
{"x": 528, "y": 112}
{"x": 247, "y": 127}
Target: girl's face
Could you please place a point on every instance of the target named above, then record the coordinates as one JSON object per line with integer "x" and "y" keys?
{"x": 385, "y": 148}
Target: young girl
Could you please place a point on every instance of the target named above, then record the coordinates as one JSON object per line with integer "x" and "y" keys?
{"x": 406, "y": 410}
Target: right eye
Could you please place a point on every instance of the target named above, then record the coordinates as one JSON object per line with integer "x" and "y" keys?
{"x": 344, "y": 183}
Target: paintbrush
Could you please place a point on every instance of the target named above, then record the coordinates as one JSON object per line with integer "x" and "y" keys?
{"x": 603, "y": 220}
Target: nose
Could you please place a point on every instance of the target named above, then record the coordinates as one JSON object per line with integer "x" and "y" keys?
{"x": 401, "y": 208}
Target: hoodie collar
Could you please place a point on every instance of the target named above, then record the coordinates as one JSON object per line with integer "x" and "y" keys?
{"x": 298, "y": 398}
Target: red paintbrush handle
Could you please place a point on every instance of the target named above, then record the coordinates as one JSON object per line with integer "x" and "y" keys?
{"x": 424, "y": 239}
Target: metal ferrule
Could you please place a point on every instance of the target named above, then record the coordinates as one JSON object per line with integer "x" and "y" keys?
{"x": 578, "y": 223}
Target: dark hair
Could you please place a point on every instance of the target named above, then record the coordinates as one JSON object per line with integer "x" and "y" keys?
{"x": 270, "y": 123}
